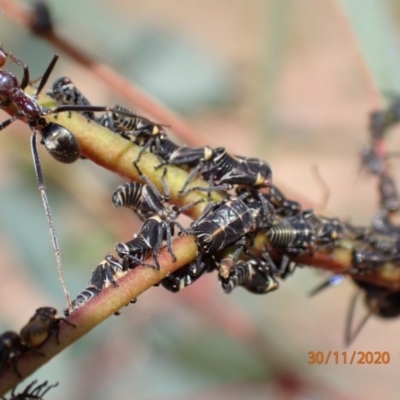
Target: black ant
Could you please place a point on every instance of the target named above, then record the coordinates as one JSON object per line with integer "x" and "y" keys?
{"x": 59, "y": 142}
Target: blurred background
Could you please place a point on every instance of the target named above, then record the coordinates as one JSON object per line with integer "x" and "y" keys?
{"x": 283, "y": 81}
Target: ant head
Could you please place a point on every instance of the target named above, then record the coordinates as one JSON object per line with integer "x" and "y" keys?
{"x": 60, "y": 143}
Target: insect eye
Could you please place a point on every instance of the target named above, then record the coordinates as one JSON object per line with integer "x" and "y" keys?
{"x": 61, "y": 143}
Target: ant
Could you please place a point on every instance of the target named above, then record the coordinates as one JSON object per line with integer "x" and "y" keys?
{"x": 59, "y": 142}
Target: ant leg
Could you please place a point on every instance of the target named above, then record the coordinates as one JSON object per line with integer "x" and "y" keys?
{"x": 25, "y": 76}
{"x": 46, "y": 75}
{"x": 8, "y": 122}
{"x": 349, "y": 336}
{"x": 89, "y": 108}
{"x": 42, "y": 190}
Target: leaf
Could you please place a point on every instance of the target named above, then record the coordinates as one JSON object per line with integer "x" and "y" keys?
{"x": 377, "y": 35}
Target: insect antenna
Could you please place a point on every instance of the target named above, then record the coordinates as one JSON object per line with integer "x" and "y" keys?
{"x": 326, "y": 193}
{"x": 46, "y": 205}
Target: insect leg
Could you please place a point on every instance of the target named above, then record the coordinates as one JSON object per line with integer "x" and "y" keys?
{"x": 349, "y": 336}
{"x": 46, "y": 75}
{"x": 333, "y": 280}
{"x": 151, "y": 185}
{"x": 169, "y": 242}
{"x": 8, "y": 122}
{"x": 183, "y": 191}
{"x": 42, "y": 190}
{"x": 157, "y": 247}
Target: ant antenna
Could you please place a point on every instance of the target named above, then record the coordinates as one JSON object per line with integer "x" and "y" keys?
{"x": 46, "y": 205}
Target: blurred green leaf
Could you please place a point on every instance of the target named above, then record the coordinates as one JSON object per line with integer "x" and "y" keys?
{"x": 374, "y": 27}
